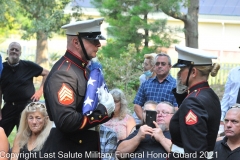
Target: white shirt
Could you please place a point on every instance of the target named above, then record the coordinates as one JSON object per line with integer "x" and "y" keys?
{"x": 231, "y": 91}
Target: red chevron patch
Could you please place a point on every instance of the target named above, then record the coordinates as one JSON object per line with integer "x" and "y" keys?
{"x": 191, "y": 118}
{"x": 65, "y": 95}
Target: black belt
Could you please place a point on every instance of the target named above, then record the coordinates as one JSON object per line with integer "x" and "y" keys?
{"x": 19, "y": 102}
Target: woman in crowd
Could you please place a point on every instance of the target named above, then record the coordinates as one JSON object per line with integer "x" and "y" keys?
{"x": 122, "y": 123}
{"x": 33, "y": 131}
{"x": 4, "y": 145}
{"x": 194, "y": 127}
{"x": 148, "y": 66}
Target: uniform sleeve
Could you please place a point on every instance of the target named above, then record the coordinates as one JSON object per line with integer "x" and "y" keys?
{"x": 61, "y": 94}
{"x": 193, "y": 126}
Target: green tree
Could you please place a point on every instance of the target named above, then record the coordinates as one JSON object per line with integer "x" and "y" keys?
{"x": 44, "y": 17}
{"x": 129, "y": 23}
{"x": 7, "y": 20}
{"x": 190, "y": 19}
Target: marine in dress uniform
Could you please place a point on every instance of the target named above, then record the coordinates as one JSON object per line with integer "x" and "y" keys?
{"x": 75, "y": 135}
{"x": 195, "y": 125}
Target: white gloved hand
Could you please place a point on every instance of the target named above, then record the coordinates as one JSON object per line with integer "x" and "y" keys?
{"x": 106, "y": 99}
{"x": 180, "y": 87}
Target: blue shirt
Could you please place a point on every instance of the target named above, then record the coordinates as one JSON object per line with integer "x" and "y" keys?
{"x": 153, "y": 90}
{"x": 108, "y": 140}
{"x": 231, "y": 91}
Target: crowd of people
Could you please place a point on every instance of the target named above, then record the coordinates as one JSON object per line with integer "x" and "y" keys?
{"x": 186, "y": 113}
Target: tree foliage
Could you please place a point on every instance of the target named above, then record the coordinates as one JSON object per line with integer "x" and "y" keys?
{"x": 129, "y": 23}
{"x": 190, "y": 18}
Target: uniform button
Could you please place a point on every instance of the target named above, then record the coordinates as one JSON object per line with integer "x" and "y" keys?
{"x": 100, "y": 116}
{"x": 67, "y": 61}
{"x": 105, "y": 113}
{"x": 80, "y": 141}
{"x": 195, "y": 90}
{"x": 92, "y": 118}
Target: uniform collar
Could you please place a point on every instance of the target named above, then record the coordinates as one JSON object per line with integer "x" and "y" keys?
{"x": 198, "y": 86}
{"x": 75, "y": 59}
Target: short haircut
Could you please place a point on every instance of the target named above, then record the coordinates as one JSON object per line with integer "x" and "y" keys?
{"x": 170, "y": 104}
{"x": 162, "y": 55}
{"x": 150, "y": 102}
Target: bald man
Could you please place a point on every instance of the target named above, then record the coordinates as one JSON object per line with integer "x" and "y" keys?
{"x": 229, "y": 147}
{"x": 16, "y": 86}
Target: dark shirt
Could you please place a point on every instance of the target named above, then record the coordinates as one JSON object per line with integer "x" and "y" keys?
{"x": 17, "y": 82}
{"x": 195, "y": 125}
{"x": 148, "y": 148}
{"x": 223, "y": 152}
{"x": 30, "y": 155}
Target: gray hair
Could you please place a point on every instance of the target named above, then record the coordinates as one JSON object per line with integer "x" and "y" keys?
{"x": 162, "y": 55}
{"x": 118, "y": 95}
{"x": 170, "y": 104}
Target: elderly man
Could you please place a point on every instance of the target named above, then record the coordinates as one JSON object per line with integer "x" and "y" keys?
{"x": 16, "y": 86}
{"x": 76, "y": 134}
{"x": 229, "y": 147}
{"x": 147, "y": 142}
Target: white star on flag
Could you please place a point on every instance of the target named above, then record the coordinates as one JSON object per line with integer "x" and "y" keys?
{"x": 90, "y": 81}
{"x": 88, "y": 101}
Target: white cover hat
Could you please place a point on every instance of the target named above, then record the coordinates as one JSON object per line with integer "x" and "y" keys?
{"x": 191, "y": 56}
{"x": 85, "y": 28}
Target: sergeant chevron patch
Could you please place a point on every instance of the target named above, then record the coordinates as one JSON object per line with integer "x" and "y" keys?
{"x": 65, "y": 95}
{"x": 191, "y": 118}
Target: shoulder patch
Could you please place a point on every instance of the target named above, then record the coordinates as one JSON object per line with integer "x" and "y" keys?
{"x": 191, "y": 118}
{"x": 65, "y": 95}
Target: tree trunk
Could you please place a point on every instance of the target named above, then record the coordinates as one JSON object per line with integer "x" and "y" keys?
{"x": 146, "y": 36}
{"x": 42, "y": 50}
{"x": 191, "y": 24}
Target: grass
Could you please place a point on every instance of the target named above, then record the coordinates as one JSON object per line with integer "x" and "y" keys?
{"x": 12, "y": 136}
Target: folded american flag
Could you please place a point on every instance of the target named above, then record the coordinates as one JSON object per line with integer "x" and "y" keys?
{"x": 95, "y": 82}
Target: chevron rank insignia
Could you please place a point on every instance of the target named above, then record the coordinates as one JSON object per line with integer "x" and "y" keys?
{"x": 65, "y": 95}
{"x": 191, "y": 118}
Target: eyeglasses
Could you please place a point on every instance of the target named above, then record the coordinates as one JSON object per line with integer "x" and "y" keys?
{"x": 236, "y": 106}
{"x": 164, "y": 113}
{"x": 35, "y": 104}
{"x": 162, "y": 64}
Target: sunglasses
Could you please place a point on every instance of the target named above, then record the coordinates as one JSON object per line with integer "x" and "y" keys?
{"x": 35, "y": 104}
{"x": 160, "y": 63}
{"x": 236, "y": 106}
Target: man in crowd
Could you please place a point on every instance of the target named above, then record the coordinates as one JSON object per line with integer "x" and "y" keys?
{"x": 229, "y": 147}
{"x": 159, "y": 88}
{"x": 16, "y": 86}
{"x": 147, "y": 142}
{"x": 108, "y": 140}
{"x": 232, "y": 91}
{"x": 76, "y": 135}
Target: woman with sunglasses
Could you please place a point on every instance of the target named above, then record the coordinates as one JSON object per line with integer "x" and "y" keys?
{"x": 194, "y": 127}
{"x": 33, "y": 131}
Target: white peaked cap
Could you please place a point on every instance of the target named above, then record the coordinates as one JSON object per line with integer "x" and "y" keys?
{"x": 85, "y": 26}
{"x": 192, "y": 56}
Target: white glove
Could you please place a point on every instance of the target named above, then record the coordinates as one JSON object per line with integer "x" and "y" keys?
{"x": 180, "y": 87}
{"x": 106, "y": 99}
